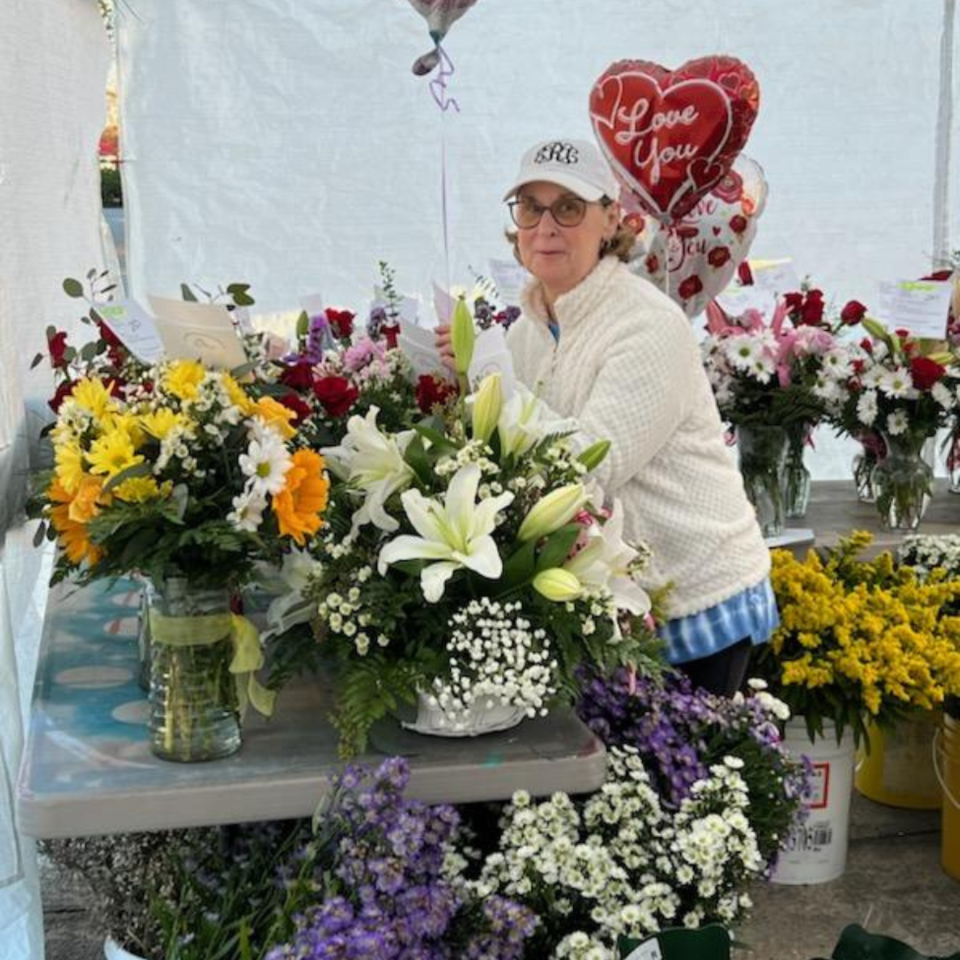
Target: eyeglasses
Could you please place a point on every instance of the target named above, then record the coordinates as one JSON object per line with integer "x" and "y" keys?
{"x": 567, "y": 211}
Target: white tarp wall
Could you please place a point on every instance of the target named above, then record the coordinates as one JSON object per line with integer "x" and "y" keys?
{"x": 53, "y": 67}
{"x": 288, "y": 144}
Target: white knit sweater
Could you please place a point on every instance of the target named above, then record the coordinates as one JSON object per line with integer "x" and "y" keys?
{"x": 627, "y": 367}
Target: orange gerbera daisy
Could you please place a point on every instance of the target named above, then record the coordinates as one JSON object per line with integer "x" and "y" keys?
{"x": 303, "y": 499}
{"x": 72, "y": 535}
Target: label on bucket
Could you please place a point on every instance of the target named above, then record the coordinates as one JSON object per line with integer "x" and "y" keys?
{"x": 819, "y": 796}
{"x": 812, "y": 837}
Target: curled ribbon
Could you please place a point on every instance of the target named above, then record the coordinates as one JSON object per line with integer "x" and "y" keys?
{"x": 207, "y": 629}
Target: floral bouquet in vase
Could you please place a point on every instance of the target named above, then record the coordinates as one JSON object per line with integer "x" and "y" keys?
{"x": 176, "y": 472}
{"x": 769, "y": 382}
{"x": 899, "y": 393}
{"x": 468, "y": 568}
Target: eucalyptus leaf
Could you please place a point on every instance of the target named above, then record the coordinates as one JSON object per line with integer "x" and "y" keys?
{"x": 73, "y": 288}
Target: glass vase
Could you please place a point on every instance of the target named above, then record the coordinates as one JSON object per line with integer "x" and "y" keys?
{"x": 194, "y": 706}
{"x": 865, "y": 462}
{"x": 763, "y": 451}
{"x": 796, "y": 477}
{"x": 953, "y": 459}
{"x": 903, "y": 481}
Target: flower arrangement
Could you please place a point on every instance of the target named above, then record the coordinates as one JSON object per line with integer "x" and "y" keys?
{"x": 466, "y": 569}
{"x": 681, "y": 732}
{"x": 926, "y": 553}
{"x": 624, "y": 863}
{"x": 860, "y": 641}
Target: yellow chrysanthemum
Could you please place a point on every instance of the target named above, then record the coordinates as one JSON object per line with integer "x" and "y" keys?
{"x": 140, "y": 490}
{"x": 238, "y": 396}
{"x": 160, "y": 422}
{"x": 304, "y": 497}
{"x": 126, "y": 423}
{"x": 69, "y": 465}
{"x": 112, "y": 453}
{"x": 93, "y": 396}
{"x": 72, "y": 536}
{"x": 183, "y": 378}
{"x": 276, "y": 415}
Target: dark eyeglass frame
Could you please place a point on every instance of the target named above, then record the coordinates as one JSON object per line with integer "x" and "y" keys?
{"x": 566, "y": 198}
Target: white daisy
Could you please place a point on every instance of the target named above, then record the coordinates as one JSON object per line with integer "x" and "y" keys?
{"x": 897, "y": 423}
{"x": 248, "y": 510}
{"x": 867, "y": 408}
{"x": 266, "y": 461}
{"x": 943, "y": 395}
{"x": 897, "y": 383}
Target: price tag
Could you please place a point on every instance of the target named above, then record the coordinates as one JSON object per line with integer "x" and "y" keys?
{"x": 133, "y": 327}
{"x": 920, "y": 306}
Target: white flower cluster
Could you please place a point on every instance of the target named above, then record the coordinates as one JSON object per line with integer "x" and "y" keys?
{"x": 628, "y": 863}
{"x": 926, "y": 552}
{"x": 473, "y": 451}
{"x": 497, "y": 658}
{"x": 346, "y": 615}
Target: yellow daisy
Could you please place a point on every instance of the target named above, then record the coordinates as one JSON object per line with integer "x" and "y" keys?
{"x": 139, "y": 490}
{"x": 160, "y": 422}
{"x": 183, "y": 378}
{"x": 276, "y": 415}
{"x": 93, "y": 396}
{"x": 112, "y": 453}
{"x": 129, "y": 424}
{"x": 238, "y": 396}
{"x": 72, "y": 535}
{"x": 69, "y": 461}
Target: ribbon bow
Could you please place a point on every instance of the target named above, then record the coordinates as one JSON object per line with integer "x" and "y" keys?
{"x": 206, "y": 629}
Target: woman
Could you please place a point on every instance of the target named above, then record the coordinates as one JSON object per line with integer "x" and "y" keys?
{"x": 610, "y": 350}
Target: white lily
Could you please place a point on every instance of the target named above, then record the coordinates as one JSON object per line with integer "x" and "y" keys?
{"x": 373, "y": 463}
{"x": 519, "y": 424}
{"x": 455, "y": 534}
{"x": 605, "y": 562}
{"x": 287, "y": 583}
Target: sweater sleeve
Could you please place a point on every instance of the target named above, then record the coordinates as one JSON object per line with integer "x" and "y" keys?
{"x": 641, "y": 394}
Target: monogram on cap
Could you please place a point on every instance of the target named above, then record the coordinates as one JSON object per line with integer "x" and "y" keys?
{"x": 557, "y": 152}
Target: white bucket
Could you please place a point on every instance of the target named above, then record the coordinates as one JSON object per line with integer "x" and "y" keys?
{"x": 816, "y": 851}
{"x": 113, "y": 951}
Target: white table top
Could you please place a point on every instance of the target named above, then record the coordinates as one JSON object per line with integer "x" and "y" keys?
{"x": 87, "y": 768}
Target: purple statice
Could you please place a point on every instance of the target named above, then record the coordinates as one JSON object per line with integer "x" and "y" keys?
{"x": 377, "y": 320}
{"x": 386, "y": 895}
{"x": 507, "y": 317}
{"x": 318, "y": 337}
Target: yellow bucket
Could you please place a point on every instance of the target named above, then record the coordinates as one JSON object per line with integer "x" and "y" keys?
{"x": 947, "y": 756}
{"x": 899, "y": 770}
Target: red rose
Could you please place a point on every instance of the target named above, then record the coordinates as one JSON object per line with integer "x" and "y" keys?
{"x": 108, "y": 336}
{"x": 58, "y": 347}
{"x": 939, "y": 275}
{"x": 867, "y": 344}
{"x": 853, "y": 313}
{"x": 432, "y": 392}
{"x": 811, "y": 313}
{"x": 858, "y": 366}
{"x": 337, "y": 394}
{"x": 652, "y": 263}
{"x": 745, "y": 274}
{"x": 298, "y": 376}
{"x": 62, "y": 392}
{"x": 793, "y": 302}
{"x": 902, "y": 333}
{"x": 341, "y": 322}
{"x": 292, "y": 402}
{"x": 390, "y": 333}
{"x": 738, "y": 223}
{"x": 718, "y": 256}
{"x": 690, "y": 287}
{"x": 925, "y": 372}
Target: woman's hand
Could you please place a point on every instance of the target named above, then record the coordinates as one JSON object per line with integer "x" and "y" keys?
{"x": 445, "y": 347}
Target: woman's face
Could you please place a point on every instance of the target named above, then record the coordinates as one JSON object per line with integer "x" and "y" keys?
{"x": 558, "y": 256}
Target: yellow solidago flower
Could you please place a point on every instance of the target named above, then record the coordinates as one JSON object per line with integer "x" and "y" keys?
{"x": 141, "y": 490}
{"x": 93, "y": 396}
{"x": 183, "y": 377}
{"x": 112, "y": 453}
{"x": 160, "y": 422}
{"x": 276, "y": 415}
{"x": 69, "y": 465}
{"x": 238, "y": 396}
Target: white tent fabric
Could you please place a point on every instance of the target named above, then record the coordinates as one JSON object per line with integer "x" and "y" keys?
{"x": 291, "y": 147}
{"x": 53, "y": 67}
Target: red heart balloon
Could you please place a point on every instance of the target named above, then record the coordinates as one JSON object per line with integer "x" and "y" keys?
{"x": 671, "y": 136}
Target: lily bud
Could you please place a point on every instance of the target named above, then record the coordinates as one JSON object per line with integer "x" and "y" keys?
{"x": 876, "y": 329}
{"x": 303, "y": 324}
{"x": 552, "y": 512}
{"x": 595, "y": 454}
{"x": 557, "y": 585}
{"x": 487, "y": 403}
{"x": 462, "y": 338}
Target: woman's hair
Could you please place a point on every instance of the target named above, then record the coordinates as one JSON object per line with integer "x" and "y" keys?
{"x": 619, "y": 245}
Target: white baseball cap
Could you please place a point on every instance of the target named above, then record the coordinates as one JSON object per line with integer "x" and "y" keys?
{"x": 575, "y": 164}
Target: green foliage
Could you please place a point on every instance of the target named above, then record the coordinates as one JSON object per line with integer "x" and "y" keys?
{"x": 111, "y": 187}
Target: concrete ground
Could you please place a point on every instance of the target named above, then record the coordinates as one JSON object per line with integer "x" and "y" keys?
{"x": 893, "y": 885}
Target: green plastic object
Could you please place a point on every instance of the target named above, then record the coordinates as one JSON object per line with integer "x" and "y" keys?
{"x": 711, "y": 942}
{"x": 856, "y": 944}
